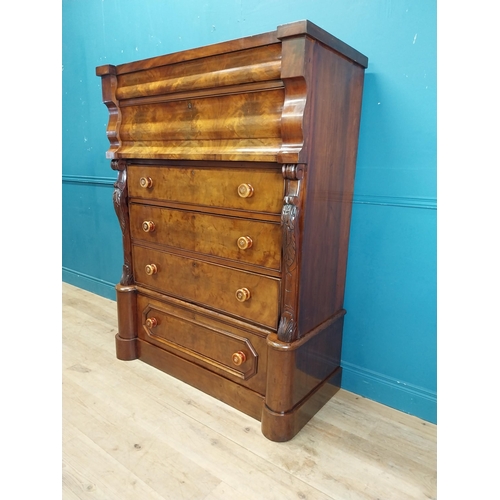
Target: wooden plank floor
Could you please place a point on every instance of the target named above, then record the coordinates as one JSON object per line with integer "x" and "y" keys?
{"x": 133, "y": 432}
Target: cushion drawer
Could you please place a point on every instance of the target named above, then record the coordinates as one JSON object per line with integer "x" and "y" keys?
{"x": 210, "y": 187}
{"x": 204, "y": 340}
{"x": 215, "y": 235}
{"x": 210, "y": 284}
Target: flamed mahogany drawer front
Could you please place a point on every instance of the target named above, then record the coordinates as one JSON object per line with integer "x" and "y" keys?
{"x": 250, "y": 241}
{"x": 203, "y": 340}
{"x": 245, "y": 66}
{"x": 247, "y": 295}
{"x": 257, "y": 190}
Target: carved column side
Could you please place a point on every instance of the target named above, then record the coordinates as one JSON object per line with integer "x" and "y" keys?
{"x": 120, "y": 201}
{"x": 290, "y": 226}
{"x": 126, "y": 293}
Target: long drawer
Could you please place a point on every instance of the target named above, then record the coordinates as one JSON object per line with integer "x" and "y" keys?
{"x": 241, "y": 240}
{"x": 257, "y": 64}
{"x": 259, "y": 190}
{"x": 250, "y": 296}
{"x": 203, "y": 339}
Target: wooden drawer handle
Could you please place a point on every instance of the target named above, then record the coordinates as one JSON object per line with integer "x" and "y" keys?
{"x": 151, "y": 269}
{"x": 151, "y": 322}
{"x": 242, "y": 294}
{"x": 148, "y": 226}
{"x": 245, "y": 190}
{"x": 146, "y": 182}
{"x": 244, "y": 242}
{"x": 239, "y": 358}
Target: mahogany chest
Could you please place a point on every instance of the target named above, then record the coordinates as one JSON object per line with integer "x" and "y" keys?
{"x": 235, "y": 170}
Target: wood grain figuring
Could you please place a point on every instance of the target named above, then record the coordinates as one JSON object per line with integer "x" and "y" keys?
{"x": 261, "y": 150}
{"x": 214, "y": 187}
{"x": 256, "y": 115}
{"x": 212, "y": 285}
{"x": 234, "y": 68}
{"x": 248, "y": 123}
{"x": 204, "y": 340}
{"x": 132, "y": 432}
{"x": 214, "y": 149}
{"x": 209, "y": 234}
{"x": 211, "y": 318}
{"x": 236, "y": 173}
{"x": 245, "y": 88}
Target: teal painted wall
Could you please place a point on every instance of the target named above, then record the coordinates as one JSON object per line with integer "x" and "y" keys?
{"x": 389, "y": 351}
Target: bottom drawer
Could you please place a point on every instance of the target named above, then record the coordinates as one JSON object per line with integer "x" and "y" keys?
{"x": 198, "y": 336}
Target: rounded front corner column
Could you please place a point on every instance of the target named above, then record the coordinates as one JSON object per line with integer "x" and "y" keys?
{"x": 278, "y": 421}
{"x": 126, "y": 338}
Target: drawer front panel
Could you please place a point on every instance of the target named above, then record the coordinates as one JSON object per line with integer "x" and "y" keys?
{"x": 204, "y": 341}
{"x": 234, "y": 68}
{"x": 246, "y": 295}
{"x": 253, "y": 115}
{"x": 232, "y": 238}
{"x": 233, "y": 126}
{"x": 214, "y": 187}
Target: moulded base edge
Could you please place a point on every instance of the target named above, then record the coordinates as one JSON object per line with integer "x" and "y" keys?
{"x": 276, "y": 426}
{"x": 284, "y": 426}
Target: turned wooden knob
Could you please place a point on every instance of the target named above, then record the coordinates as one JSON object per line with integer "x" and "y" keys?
{"x": 245, "y": 190}
{"x": 148, "y": 226}
{"x": 239, "y": 358}
{"x": 146, "y": 182}
{"x": 151, "y": 322}
{"x": 242, "y": 294}
{"x": 244, "y": 242}
{"x": 151, "y": 269}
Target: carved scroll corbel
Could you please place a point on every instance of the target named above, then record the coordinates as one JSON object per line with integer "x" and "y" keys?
{"x": 109, "y": 86}
{"x": 120, "y": 202}
{"x": 290, "y": 226}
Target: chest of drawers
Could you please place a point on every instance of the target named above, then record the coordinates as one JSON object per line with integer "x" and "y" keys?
{"x": 235, "y": 170}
